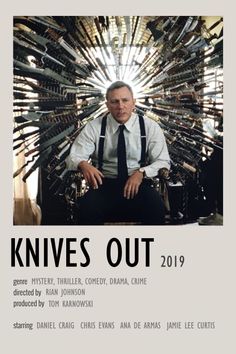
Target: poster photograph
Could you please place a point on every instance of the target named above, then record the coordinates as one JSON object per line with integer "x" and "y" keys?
{"x": 117, "y": 185}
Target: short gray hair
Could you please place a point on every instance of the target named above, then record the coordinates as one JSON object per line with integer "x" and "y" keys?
{"x": 116, "y": 85}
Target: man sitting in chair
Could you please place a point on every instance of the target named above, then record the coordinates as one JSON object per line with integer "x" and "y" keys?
{"x": 126, "y": 150}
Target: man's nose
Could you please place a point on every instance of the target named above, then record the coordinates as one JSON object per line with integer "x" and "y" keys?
{"x": 120, "y": 104}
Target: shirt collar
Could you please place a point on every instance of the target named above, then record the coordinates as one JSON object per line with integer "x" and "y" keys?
{"x": 128, "y": 125}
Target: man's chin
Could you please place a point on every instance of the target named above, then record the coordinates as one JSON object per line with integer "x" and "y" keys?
{"x": 122, "y": 117}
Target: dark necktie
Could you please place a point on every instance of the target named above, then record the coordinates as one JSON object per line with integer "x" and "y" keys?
{"x": 121, "y": 155}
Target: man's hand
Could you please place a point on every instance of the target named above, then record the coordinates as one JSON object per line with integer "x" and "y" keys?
{"x": 132, "y": 185}
{"x": 91, "y": 174}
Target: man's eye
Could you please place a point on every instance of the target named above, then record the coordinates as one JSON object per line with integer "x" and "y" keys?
{"x": 125, "y": 100}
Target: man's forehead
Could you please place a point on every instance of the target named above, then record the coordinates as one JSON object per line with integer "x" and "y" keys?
{"x": 120, "y": 92}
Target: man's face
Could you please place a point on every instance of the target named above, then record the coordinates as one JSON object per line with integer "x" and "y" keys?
{"x": 120, "y": 103}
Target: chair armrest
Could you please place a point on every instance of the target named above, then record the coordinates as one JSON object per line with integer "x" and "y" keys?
{"x": 163, "y": 173}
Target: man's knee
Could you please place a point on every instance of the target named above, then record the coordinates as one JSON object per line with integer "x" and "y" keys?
{"x": 90, "y": 208}
{"x": 151, "y": 206}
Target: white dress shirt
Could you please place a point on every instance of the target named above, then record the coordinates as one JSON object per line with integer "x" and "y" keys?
{"x": 85, "y": 146}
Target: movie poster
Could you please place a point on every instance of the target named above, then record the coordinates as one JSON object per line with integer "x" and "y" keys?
{"x": 115, "y": 288}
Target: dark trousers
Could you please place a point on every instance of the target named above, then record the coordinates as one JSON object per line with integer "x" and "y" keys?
{"x": 107, "y": 204}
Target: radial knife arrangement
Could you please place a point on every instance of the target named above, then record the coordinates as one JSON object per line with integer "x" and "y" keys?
{"x": 63, "y": 65}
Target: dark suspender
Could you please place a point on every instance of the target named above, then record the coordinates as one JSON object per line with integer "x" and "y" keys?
{"x": 143, "y": 141}
{"x": 102, "y": 140}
